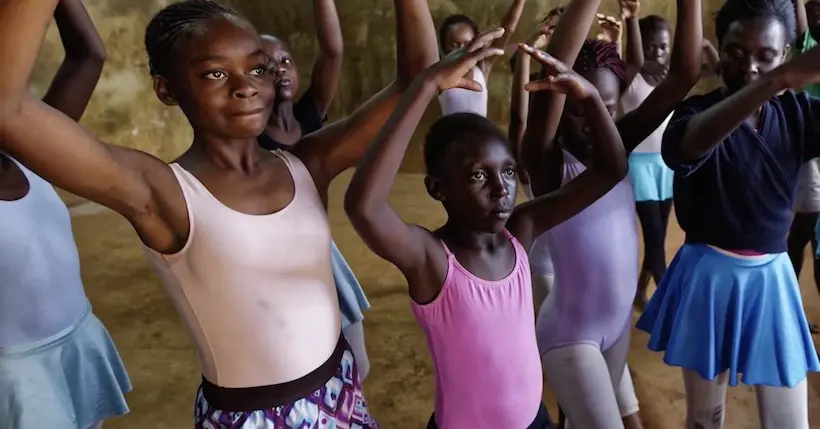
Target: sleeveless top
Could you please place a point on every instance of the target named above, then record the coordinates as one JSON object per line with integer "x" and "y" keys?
{"x": 41, "y": 291}
{"x": 255, "y": 292}
{"x": 481, "y": 335}
{"x": 457, "y": 100}
{"x": 637, "y": 92}
{"x": 596, "y": 269}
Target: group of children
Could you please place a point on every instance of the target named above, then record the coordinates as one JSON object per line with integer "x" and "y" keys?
{"x": 237, "y": 225}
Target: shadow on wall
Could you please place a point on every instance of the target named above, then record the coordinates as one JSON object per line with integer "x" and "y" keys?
{"x": 125, "y": 111}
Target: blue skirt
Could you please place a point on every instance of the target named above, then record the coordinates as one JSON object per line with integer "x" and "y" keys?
{"x": 351, "y": 296}
{"x": 68, "y": 381}
{"x": 714, "y": 313}
{"x": 651, "y": 178}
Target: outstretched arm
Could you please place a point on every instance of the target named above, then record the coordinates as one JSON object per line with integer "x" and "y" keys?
{"x": 633, "y": 57}
{"x": 338, "y": 146}
{"x": 60, "y": 150}
{"x": 376, "y": 222}
{"x": 802, "y": 23}
{"x": 684, "y": 72}
{"x": 509, "y": 23}
{"x": 327, "y": 69}
{"x": 80, "y": 71}
{"x": 540, "y": 154}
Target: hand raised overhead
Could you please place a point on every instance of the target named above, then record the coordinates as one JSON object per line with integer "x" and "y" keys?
{"x": 451, "y": 70}
{"x": 560, "y": 78}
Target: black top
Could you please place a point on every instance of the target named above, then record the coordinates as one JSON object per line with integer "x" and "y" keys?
{"x": 308, "y": 116}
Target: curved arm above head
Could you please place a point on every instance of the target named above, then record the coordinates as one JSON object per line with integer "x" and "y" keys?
{"x": 633, "y": 55}
{"x": 509, "y": 23}
{"x": 684, "y": 72}
{"x": 327, "y": 68}
{"x": 338, "y": 146}
{"x": 58, "y": 149}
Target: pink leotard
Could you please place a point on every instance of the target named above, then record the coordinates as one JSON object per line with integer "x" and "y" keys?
{"x": 596, "y": 270}
{"x": 481, "y": 336}
{"x": 255, "y": 292}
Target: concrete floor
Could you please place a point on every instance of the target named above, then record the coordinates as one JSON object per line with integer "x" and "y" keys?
{"x": 129, "y": 300}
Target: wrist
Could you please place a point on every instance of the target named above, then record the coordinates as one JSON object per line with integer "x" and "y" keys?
{"x": 781, "y": 79}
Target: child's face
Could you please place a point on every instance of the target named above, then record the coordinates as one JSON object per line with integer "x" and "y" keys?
{"x": 220, "y": 81}
{"x": 750, "y": 48}
{"x": 574, "y": 125}
{"x": 656, "y": 46}
{"x": 479, "y": 184}
{"x": 457, "y": 35}
{"x": 285, "y": 74}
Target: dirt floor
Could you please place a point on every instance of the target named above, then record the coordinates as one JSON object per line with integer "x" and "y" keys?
{"x": 129, "y": 300}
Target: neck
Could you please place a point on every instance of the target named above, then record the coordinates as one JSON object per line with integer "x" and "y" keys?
{"x": 228, "y": 154}
{"x": 463, "y": 236}
{"x": 281, "y": 117}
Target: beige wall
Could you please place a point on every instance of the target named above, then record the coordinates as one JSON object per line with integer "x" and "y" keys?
{"x": 124, "y": 110}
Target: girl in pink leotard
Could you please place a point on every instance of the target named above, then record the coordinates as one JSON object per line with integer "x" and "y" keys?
{"x": 584, "y": 324}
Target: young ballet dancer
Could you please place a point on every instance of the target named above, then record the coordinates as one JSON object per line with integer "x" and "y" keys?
{"x": 231, "y": 228}
{"x": 290, "y": 121}
{"x": 583, "y": 325}
{"x": 457, "y": 31}
{"x": 729, "y": 303}
{"x": 469, "y": 280}
{"x": 649, "y": 42}
{"x": 58, "y": 365}
{"x": 807, "y": 193}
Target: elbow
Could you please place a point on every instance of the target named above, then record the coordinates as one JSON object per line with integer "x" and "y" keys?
{"x": 356, "y": 208}
{"x": 89, "y": 53}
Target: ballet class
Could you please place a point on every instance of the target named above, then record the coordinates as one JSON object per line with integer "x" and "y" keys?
{"x": 401, "y": 214}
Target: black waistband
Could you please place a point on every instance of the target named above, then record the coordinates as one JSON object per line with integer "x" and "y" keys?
{"x": 247, "y": 399}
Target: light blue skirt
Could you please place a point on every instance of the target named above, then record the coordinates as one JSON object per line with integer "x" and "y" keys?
{"x": 713, "y": 313}
{"x": 352, "y": 301}
{"x": 651, "y": 178}
{"x": 68, "y": 381}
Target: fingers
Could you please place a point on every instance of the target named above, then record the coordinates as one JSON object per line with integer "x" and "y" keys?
{"x": 484, "y": 53}
{"x": 548, "y": 84}
{"x": 553, "y": 65}
{"x": 468, "y": 84}
{"x": 485, "y": 39}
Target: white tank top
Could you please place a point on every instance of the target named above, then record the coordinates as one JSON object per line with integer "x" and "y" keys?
{"x": 459, "y": 100}
{"x": 637, "y": 92}
{"x": 41, "y": 292}
{"x": 255, "y": 293}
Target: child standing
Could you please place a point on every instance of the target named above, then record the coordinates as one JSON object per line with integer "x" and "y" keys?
{"x": 58, "y": 365}
{"x": 729, "y": 303}
{"x": 469, "y": 280}
{"x": 232, "y": 229}
{"x": 290, "y": 121}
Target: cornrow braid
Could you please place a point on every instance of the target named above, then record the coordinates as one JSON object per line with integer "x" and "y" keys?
{"x": 596, "y": 54}
{"x": 173, "y": 23}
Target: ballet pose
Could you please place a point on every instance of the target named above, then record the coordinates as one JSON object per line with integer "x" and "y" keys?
{"x": 469, "y": 280}
{"x": 290, "y": 121}
{"x": 729, "y": 303}
{"x": 583, "y": 325}
{"x": 457, "y": 31}
{"x": 238, "y": 235}
{"x": 58, "y": 365}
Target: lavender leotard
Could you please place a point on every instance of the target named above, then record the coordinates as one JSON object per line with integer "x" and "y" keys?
{"x": 596, "y": 271}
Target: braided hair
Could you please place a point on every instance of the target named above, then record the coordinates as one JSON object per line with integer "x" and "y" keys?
{"x": 175, "y": 22}
{"x": 597, "y": 54}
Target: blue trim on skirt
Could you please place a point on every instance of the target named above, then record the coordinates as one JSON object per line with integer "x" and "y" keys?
{"x": 713, "y": 313}
{"x": 352, "y": 301}
{"x": 70, "y": 380}
{"x": 651, "y": 178}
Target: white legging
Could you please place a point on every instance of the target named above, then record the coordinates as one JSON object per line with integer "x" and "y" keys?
{"x": 585, "y": 381}
{"x": 355, "y": 337}
{"x": 777, "y": 407}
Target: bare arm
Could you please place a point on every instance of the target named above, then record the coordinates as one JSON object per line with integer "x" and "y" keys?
{"x": 327, "y": 69}
{"x": 533, "y": 218}
{"x": 711, "y": 59}
{"x": 684, "y": 72}
{"x": 376, "y": 222}
{"x": 634, "y": 43}
{"x": 519, "y": 97}
{"x": 338, "y": 146}
{"x": 60, "y": 150}
{"x": 540, "y": 154}
{"x": 509, "y": 23}
{"x": 802, "y": 22}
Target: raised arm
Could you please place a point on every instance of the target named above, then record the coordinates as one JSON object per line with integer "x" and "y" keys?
{"x": 633, "y": 57}
{"x": 60, "y": 150}
{"x": 711, "y": 59}
{"x": 338, "y": 146}
{"x": 327, "y": 69}
{"x": 684, "y": 72}
{"x": 509, "y": 23}
{"x": 802, "y": 23}
{"x": 608, "y": 167}
{"x": 80, "y": 71}
{"x": 366, "y": 198}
